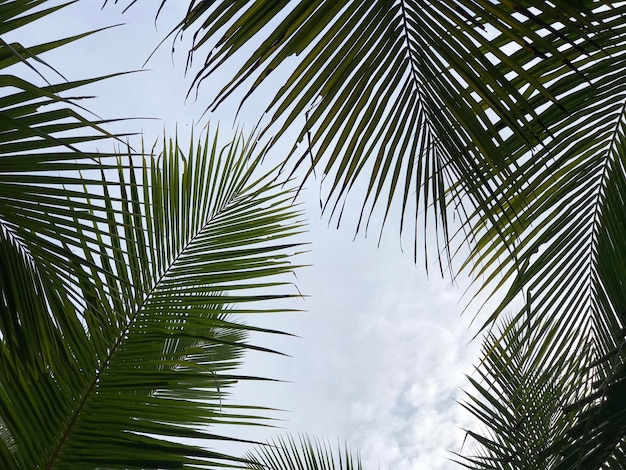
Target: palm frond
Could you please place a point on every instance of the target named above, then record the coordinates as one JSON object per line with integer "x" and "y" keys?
{"x": 598, "y": 435}
{"x": 287, "y": 453}
{"x": 146, "y": 329}
{"x": 519, "y": 397}
{"x": 384, "y": 88}
{"x": 560, "y": 237}
{"x": 519, "y": 106}
{"x": 44, "y": 140}
{"x": 121, "y": 285}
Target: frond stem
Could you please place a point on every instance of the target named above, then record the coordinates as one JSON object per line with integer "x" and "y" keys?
{"x": 120, "y": 339}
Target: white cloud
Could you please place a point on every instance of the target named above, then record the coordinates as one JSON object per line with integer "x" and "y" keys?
{"x": 383, "y": 358}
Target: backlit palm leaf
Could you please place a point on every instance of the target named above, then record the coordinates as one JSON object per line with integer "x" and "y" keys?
{"x": 118, "y": 284}
{"x": 383, "y": 85}
{"x": 42, "y": 134}
{"x": 517, "y": 105}
{"x": 526, "y": 118}
{"x": 43, "y": 140}
{"x": 306, "y": 454}
{"x": 560, "y": 238}
{"x": 519, "y": 397}
{"x": 149, "y": 342}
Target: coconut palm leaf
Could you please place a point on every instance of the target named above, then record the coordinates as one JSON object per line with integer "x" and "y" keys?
{"x": 597, "y": 438}
{"x": 519, "y": 397}
{"x": 407, "y": 98}
{"x": 140, "y": 345}
{"x": 44, "y": 142}
{"x": 43, "y": 134}
{"x": 285, "y": 453}
{"x": 525, "y": 118}
{"x": 120, "y": 279}
{"x": 560, "y": 240}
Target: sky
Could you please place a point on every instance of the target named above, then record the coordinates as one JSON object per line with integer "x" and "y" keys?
{"x": 382, "y": 348}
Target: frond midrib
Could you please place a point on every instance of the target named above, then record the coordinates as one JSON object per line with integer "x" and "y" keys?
{"x": 123, "y": 335}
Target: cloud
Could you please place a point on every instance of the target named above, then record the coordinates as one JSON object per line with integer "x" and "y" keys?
{"x": 402, "y": 373}
{"x": 384, "y": 355}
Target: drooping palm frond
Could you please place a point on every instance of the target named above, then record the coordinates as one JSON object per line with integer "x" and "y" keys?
{"x": 597, "y": 438}
{"x": 519, "y": 397}
{"x": 119, "y": 282}
{"x": 384, "y": 88}
{"x": 285, "y": 453}
{"x": 42, "y": 137}
{"x": 143, "y": 314}
{"x": 43, "y": 141}
{"x": 560, "y": 239}
{"x": 526, "y": 118}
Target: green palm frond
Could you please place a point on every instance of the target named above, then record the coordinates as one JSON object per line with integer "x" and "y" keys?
{"x": 516, "y": 109}
{"x": 597, "y": 438}
{"x": 410, "y": 99}
{"x": 286, "y": 453}
{"x": 142, "y": 317}
{"x": 121, "y": 282}
{"x": 560, "y": 237}
{"x": 44, "y": 141}
{"x": 519, "y": 396}
{"x": 43, "y": 134}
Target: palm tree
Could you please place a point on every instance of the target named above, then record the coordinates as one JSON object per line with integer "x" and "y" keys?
{"x": 123, "y": 279}
{"x": 508, "y": 113}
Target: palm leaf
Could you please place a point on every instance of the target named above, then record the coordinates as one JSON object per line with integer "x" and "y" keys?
{"x": 119, "y": 284}
{"x": 525, "y": 118}
{"x": 560, "y": 236}
{"x": 44, "y": 136}
{"x": 597, "y": 437}
{"x": 145, "y": 328}
{"x": 519, "y": 397}
{"x": 409, "y": 99}
{"x": 285, "y": 453}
